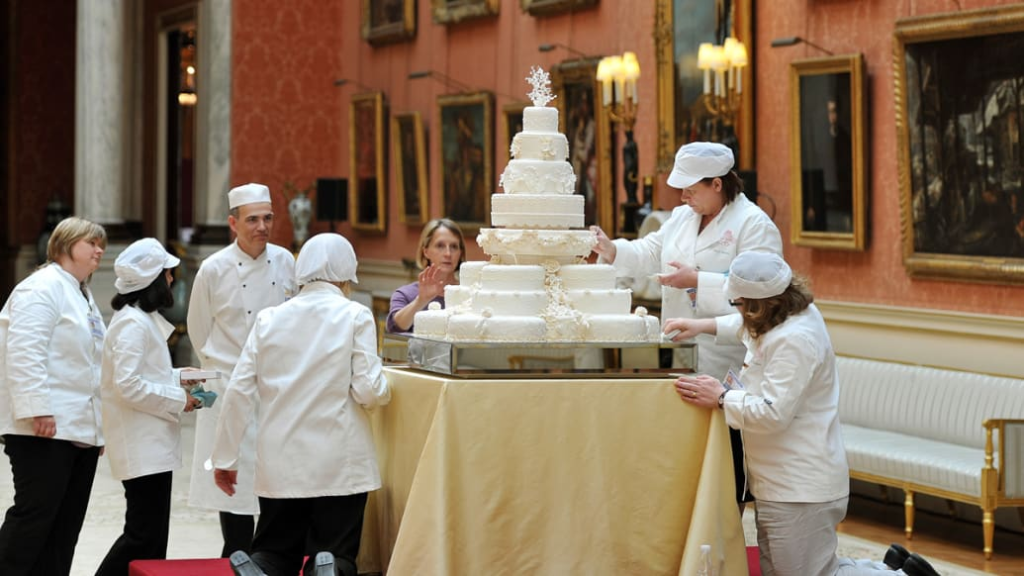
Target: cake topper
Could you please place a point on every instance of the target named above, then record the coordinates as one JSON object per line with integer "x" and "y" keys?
{"x": 540, "y": 80}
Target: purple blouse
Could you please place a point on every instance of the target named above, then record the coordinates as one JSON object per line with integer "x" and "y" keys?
{"x": 400, "y": 299}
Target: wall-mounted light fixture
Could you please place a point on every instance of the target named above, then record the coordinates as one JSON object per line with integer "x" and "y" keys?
{"x": 187, "y": 54}
{"x": 446, "y": 79}
{"x": 793, "y": 40}
{"x": 343, "y": 81}
{"x": 551, "y": 46}
{"x": 618, "y": 76}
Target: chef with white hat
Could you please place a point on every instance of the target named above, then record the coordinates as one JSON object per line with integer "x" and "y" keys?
{"x": 230, "y": 289}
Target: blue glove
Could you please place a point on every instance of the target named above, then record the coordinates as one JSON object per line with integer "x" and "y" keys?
{"x": 206, "y": 397}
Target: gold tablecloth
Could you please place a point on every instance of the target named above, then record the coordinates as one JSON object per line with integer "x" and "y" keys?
{"x": 568, "y": 477}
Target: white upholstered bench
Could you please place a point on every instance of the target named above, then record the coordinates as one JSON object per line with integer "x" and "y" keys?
{"x": 954, "y": 435}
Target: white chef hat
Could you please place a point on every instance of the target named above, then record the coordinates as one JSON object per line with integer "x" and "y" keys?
{"x": 698, "y": 160}
{"x": 248, "y": 194}
{"x": 140, "y": 263}
{"x": 757, "y": 275}
{"x": 327, "y": 257}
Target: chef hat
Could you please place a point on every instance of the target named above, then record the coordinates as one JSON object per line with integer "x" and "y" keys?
{"x": 140, "y": 263}
{"x": 248, "y": 194}
{"x": 327, "y": 257}
{"x": 757, "y": 275}
{"x": 698, "y": 160}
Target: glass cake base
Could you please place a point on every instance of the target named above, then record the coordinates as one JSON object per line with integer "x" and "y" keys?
{"x": 538, "y": 359}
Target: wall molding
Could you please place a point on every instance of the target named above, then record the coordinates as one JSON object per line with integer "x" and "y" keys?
{"x": 983, "y": 343}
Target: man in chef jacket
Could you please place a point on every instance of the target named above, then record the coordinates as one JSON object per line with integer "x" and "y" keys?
{"x": 230, "y": 289}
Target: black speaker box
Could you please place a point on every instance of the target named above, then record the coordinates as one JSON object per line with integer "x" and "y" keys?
{"x": 332, "y": 199}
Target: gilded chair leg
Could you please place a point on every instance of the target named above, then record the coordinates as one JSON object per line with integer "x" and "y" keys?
{"x": 908, "y": 513}
{"x": 989, "y": 527}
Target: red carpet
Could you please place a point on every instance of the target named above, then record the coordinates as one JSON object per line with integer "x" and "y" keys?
{"x": 753, "y": 564}
{"x": 220, "y": 566}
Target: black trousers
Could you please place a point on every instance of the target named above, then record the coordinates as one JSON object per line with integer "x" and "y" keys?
{"x": 52, "y": 483}
{"x": 736, "y": 440}
{"x": 237, "y": 531}
{"x": 293, "y": 527}
{"x": 146, "y": 521}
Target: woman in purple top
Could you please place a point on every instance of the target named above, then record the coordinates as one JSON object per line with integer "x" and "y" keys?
{"x": 441, "y": 251}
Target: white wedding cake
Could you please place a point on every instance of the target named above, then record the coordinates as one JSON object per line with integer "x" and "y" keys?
{"x": 537, "y": 287}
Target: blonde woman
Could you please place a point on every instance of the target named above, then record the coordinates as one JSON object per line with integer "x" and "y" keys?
{"x": 442, "y": 249}
{"x": 51, "y": 344}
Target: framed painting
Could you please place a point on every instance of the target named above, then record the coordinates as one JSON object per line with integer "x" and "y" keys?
{"x": 513, "y": 124}
{"x": 410, "y": 160}
{"x": 959, "y": 84}
{"x": 684, "y": 112}
{"x": 455, "y": 11}
{"x": 467, "y": 156}
{"x": 386, "y": 21}
{"x": 546, "y": 7}
{"x": 828, "y": 163}
{"x": 585, "y": 122}
{"x": 368, "y": 199}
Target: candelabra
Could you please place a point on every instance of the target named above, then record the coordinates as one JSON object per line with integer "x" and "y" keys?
{"x": 723, "y": 77}
{"x": 618, "y": 76}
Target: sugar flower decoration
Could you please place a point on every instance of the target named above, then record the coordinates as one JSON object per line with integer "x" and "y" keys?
{"x": 541, "y": 82}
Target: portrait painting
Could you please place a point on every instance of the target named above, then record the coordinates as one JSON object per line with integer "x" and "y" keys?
{"x": 685, "y": 113}
{"x": 366, "y": 163}
{"x": 455, "y": 11}
{"x": 409, "y": 153}
{"x": 467, "y": 156}
{"x": 386, "y": 21}
{"x": 588, "y": 128}
{"x": 959, "y": 86}
{"x": 828, "y": 152}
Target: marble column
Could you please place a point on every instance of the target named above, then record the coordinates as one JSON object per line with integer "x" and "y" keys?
{"x": 99, "y": 108}
{"x": 213, "y": 146}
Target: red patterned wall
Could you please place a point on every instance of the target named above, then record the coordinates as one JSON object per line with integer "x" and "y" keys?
{"x": 44, "y": 112}
{"x": 286, "y": 122}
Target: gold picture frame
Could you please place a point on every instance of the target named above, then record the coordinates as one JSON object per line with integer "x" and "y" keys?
{"x": 409, "y": 151}
{"x": 512, "y": 124}
{"x": 585, "y": 122}
{"x": 455, "y": 11}
{"x": 466, "y": 141}
{"x": 367, "y": 164}
{"x": 549, "y": 7}
{"x": 677, "y": 112}
{"x": 828, "y": 153}
{"x": 386, "y": 21}
{"x": 956, "y": 78}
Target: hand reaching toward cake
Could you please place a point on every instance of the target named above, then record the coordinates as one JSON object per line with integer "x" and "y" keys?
{"x": 432, "y": 282}
{"x": 605, "y": 248}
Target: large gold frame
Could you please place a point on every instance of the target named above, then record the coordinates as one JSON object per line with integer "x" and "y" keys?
{"x": 449, "y": 12}
{"x": 852, "y": 64}
{"x": 508, "y": 113}
{"x": 668, "y": 140}
{"x": 584, "y": 72}
{"x": 391, "y": 31}
{"x": 368, "y": 107}
{"x": 966, "y": 24}
{"x": 415, "y": 122}
{"x": 485, "y": 101}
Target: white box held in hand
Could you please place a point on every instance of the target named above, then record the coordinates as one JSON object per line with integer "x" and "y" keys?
{"x": 199, "y": 374}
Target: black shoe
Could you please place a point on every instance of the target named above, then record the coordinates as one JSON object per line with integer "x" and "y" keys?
{"x": 896, "y": 556}
{"x": 917, "y": 566}
{"x": 242, "y": 565}
{"x": 323, "y": 565}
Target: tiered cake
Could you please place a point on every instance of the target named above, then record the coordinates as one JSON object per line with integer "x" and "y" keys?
{"x": 537, "y": 286}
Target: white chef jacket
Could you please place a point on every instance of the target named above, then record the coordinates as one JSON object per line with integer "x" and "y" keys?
{"x": 229, "y": 291}
{"x": 740, "y": 226}
{"x": 142, "y": 396}
{"x": 51, "y": 344}
{"x": 789, "y": 411}
{"x": 314, "y": 435}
